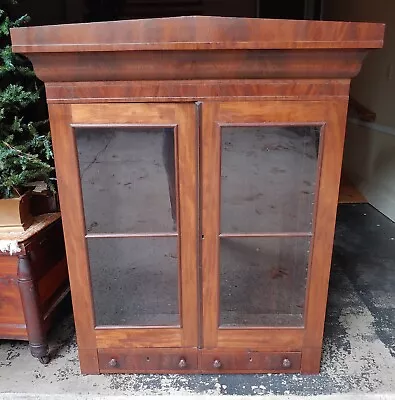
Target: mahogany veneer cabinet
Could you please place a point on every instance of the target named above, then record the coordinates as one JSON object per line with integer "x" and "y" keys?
{"x": 198, "y": 161}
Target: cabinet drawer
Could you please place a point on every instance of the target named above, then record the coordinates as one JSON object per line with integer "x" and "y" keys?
{"x": 148, "y": 360}
{"x": 249, "y": 361}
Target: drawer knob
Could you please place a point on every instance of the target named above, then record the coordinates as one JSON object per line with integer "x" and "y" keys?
{"x": 217, "y": 364}
{"x": 113, "y": 363}
{"x": 182, "y": 363}
{"x": 287, "y": 363}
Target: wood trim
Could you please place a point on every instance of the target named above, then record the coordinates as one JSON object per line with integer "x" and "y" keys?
{"x": 199, "y": 191}
{"x": 131, "y": 235}
{"x": 160, "y": 115}
{"x": 197, "y": 33}
{"x": 115, "y": 125}
{"x": 197, "y": 65}
{"x": 273, "y": 112}
{"x": 177, "y": 47}
{"x": 126, "y": 338}
{"x": 70, "y": 197}
{"x": 263, "y": 234}
{"x": 193, "y": 90}
{"x": 325, "y": 220}
{"x": 188, "y": 220}
{"x": 89, "y": 362}
{"x": 268, "y": 339}
{"x": 311, "y": 360}
{"x": 209, "y": 183}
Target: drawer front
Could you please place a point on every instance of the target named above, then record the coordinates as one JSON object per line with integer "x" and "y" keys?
{"x": 221, "y": 361}
{"x": 148, "y": 360}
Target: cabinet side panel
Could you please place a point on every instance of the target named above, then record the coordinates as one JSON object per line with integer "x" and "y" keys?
{"x": 318, "y": 281}
{"x": 73, "y": 224}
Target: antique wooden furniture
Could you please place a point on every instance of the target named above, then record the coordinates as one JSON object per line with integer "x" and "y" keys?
{"x": 33, "y": 282}
{"x": 198, "y": 160}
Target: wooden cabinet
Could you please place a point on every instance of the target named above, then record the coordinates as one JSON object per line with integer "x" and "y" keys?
{"x": 198, "y": 161}
{"x": 33, "y": 282}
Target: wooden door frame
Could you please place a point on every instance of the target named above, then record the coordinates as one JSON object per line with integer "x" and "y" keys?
{"x": 181, "y": 117}
{"x": 331, "y": 115}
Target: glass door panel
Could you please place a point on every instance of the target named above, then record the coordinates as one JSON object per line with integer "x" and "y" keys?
{"x": 135, "y": 281}
{"x": 268, "y": 187}
{"x": 128, "y": 179}
{"x": 138, "y": 166}
{"x": 263, "y": 187}
{"x": 263, "y": 281}
{"x": 268, "y": 178}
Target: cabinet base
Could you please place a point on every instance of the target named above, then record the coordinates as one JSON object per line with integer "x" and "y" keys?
{"x": 197, "y": 361}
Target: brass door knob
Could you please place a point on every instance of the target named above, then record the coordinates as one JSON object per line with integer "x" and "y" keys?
{"x": 287, "y": 363}
{"x": 217, "y": 364}
{"x": 182, "y": 363}
{"x": 113, "y": 363}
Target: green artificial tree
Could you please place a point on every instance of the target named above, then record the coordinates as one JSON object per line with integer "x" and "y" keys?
{"x": 25, "y": 144}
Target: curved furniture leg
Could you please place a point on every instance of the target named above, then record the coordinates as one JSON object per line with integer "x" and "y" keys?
{"x": 30, "y": 301}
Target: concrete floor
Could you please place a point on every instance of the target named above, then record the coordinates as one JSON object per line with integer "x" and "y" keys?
{"x": 359, "y": 345}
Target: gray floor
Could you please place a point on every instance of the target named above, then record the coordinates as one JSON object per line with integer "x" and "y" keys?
{"x": 359, "y": 345}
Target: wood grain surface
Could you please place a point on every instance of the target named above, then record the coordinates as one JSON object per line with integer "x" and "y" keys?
{"x": 197, "y": 33}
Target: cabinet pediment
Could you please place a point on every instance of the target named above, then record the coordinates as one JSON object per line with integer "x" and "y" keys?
{"x": 197, "y": 33}
{"x": 205, "y": 48}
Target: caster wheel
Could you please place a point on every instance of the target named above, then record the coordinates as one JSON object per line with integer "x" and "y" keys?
{"x": 44, "y": 360}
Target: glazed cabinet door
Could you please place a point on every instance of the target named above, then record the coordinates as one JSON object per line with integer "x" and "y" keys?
{"x": 270, "y": 175}
{"x": 128, "y": 191}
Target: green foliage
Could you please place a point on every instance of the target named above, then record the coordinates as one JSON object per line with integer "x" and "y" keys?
{"x": 25, "y": 145}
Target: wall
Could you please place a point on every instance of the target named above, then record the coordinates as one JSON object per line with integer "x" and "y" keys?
{"x": 369, "y": 158}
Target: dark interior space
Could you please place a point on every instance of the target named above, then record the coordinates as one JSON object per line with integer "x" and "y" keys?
{"x": 45, "y": 12}
{"x": 283, "y": 9}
